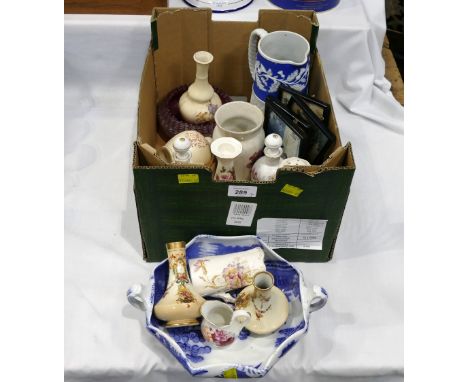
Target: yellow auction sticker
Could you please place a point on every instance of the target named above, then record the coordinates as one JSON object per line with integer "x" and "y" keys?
{"x": 230, "y": 373}
{"x": 291, "y": 190}
{"x": 188, "y": 178}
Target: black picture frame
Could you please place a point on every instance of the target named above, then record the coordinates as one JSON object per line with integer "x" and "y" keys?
{"x": 320, "y": 136}
{"x": 319, "y": 108}
{"x": 281, "y": 121}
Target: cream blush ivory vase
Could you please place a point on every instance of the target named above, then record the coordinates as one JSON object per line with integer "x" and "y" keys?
{"x": 226, "y": 150}
{"x": 180, "y": 304}
{"x": 244, "y": 122}
{"x": 266, "y": 303}
{"x": 199, "y": 103}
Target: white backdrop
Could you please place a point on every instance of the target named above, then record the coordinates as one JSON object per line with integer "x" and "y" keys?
{"x": 358, "y": 335}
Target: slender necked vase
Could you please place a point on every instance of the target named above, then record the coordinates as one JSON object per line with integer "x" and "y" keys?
{"x": 226, "y": 150}
{"x": 200, "y": 102}
{"x": 180, "y": 305}
{"x": 265, "y": 168}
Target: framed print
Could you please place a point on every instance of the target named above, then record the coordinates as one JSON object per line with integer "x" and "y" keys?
{"x": 320, "y": 109}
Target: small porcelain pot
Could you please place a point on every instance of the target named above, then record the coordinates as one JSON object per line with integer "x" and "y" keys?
{"x": 218, "y": 274}
{"x": 221, "y": 325}
{"x": 274, "y": 58}
{"x": 244, "y": 122}
{"x": 199, "y": 150}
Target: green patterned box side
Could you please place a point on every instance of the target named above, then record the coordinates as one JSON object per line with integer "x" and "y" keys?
{"x": 169, "y": 211}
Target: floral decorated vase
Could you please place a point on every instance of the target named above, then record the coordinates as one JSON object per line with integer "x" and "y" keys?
{"x": 244, "y": 122}
{"x": 199, "y": 103}
{"x": 203, "y": 359}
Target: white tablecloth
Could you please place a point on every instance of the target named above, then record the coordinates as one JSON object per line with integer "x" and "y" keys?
{"x": 357, "y": 336}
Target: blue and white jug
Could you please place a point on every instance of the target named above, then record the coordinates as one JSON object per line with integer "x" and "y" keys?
{"x": 274, "y": 58}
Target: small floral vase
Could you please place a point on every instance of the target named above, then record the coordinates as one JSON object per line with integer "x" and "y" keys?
{"x": 180, "y": 304}
{"x": 221, "y": 325}
{"x": 226, "y": 150}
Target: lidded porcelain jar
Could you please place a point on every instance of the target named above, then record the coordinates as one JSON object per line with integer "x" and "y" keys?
{"x": 244, "y": 122}
{"x": 199, "y": 103}
{"x": 265, "y": 168}
{"x": 187, "y": 147}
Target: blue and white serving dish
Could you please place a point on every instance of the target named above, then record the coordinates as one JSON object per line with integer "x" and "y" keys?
{"x": 316, "y": 5}
{"x": 251, "y": 355}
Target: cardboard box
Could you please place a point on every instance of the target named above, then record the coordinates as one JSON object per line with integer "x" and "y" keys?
{"x": 178, "y": 203}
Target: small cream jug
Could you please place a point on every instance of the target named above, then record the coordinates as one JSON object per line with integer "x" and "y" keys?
{"x": 221, "y": 325}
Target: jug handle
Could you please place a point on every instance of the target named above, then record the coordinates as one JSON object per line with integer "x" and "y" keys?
{"x": 167, "y": 155}
{"x": 255, "y": 36}
{"x": 239, "y": 319}
{"x": 136, "y": 296}
{"x": 317, "y": 297}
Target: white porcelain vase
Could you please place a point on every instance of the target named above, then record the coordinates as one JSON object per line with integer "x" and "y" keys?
{"x": 199, "y": 103}
{"x": 244, "y": 122}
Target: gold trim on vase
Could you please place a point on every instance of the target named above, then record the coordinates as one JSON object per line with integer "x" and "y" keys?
{"x": 175, "y": 245}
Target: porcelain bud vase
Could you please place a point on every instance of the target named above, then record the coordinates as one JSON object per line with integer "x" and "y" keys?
{"x": 244, "y": 122}
{"x": 266, "y": 167}
{"x": 266, "y": 303}
{"x": 200, "y": 102}
{"x": 180, "y": 304}
{"x": 226, "y": 150}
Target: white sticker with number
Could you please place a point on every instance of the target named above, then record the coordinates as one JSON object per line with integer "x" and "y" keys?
{"x": 243, "y": 191}
{"x": 241, "y": 214}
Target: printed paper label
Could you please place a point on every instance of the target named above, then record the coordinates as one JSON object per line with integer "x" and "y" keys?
{"x": 188, "y": 178}
{"x": 292, "y": 233}
{"x": 241, "y": 214}
{"x": 243, "y": 191}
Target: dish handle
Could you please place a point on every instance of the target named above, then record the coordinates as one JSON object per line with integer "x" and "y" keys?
{"x": 136, "y": 297}
{"x": 317, "y": 297}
